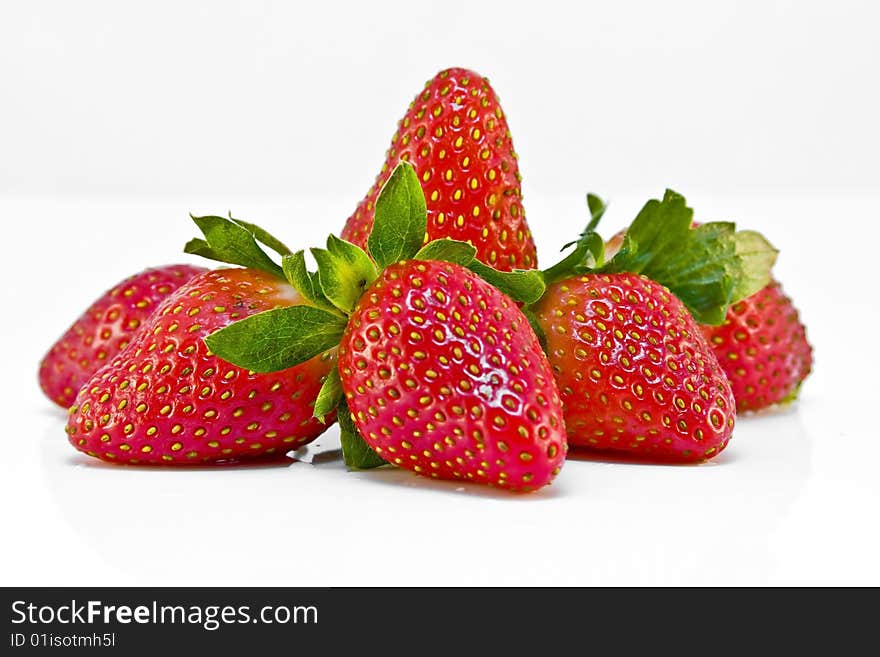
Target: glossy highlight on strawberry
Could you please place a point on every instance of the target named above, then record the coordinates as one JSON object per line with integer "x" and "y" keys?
{"x": 762, "y": 347}
{"x": 456, "y": 136}
{"x": 444, "y": 376}
{"x": 166, "y": 400}
{"x": 105, "y": 329}
{"x": 635, "y": 373}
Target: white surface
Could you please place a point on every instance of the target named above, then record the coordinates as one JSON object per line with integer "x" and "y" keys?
{"x": 793, "y": 500}
{"x": 117, "y": 120}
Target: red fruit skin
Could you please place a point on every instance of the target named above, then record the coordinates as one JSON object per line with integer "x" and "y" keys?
{"x": 635, "y": 373}
{"x": 166, "y": 400}
{"x": 456, "y": 136}
{"x": 444, "y": 376}
{"x": 105, "y": 329}
{"x": 762, "y": 347}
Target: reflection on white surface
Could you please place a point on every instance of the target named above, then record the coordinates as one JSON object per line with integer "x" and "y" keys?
{"x": 302, "y": 523}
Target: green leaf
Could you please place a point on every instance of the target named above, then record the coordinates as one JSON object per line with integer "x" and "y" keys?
{"x": 264, "y": 237}
{"x": 200, "y": 247}
{"x": 344, "y": 272}
{"x": 698, "y": 265}
{"x": 401, "y": 218}
{"x": 708, "y": 267}
{"x": 357, "y": 453}
{"x": 305, "y": 282}
{"x": 232, "y": 243}
{"x": 523, "y": 285}
{"x": 758, "y": 257}
{"x": 659, "y": 228}
{"x": 586, "y": 256}
{"x": 329, "y": 396}
{"x": 297, "y": 274}
{"x": 597, "y": 209}
{"x": 536, "y": 327}
{"x": 277, "y": 339}
{"x": 589, "y": 251}
{"x": 447, "y": 250}
{"x": 702, "y": 272}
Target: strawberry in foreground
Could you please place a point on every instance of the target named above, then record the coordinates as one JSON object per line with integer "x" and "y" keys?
{"x": 105, "y": 329}
{"x": 762, "y": 346}
{"x": 634, "y": 371}
{"x": 165, "y": 399}
{"x": 456, "y": 136}
{"x": 439, "y": 371}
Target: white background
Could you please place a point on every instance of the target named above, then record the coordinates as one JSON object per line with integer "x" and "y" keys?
{"x": 117, "y": 119}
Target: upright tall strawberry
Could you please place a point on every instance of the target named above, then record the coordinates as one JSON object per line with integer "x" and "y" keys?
{"x": 105, "y": 329}
{"x": 439, "y": 371}
{"x": 166, "y": 399}
{"x": 634, "y": 370}
{"x": 456, "y": 136}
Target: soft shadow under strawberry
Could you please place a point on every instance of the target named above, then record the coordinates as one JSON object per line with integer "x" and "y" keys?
{"x": 398, "y": 477}
{"x": 633, "y": 458}
{"x": 253, "y": 463}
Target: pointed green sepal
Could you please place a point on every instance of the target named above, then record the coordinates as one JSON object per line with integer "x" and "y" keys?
{"x": 536, "y": 327}
{"x": 522, "y": 285}
{"x": 588, "y": 254}
{"x": 344, "y": 272}
{"x": 758, "y": 257}
{"x": 329, "y": 396}
{"x": 277, "y": 339}
{"x": 589, "y": 251}
{"x": 401, "y": 218}
{"x": 597, "y": 208}
{"x": 357, "y": 453}
{"x": 200, "y": 247}
{"x": 658, "y": 229}
{"x": 231, "y": 242}
{"x": 448, "y": 250}
{"x": 263, "y": 236}
{"x": 304, "y": 281}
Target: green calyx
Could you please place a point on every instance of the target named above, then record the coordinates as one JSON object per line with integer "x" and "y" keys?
{"x": 708, "y": 267}
{"x": 236, "y": 242}
{"x": 284, "y": 337}
{"x": 356, "y": 452}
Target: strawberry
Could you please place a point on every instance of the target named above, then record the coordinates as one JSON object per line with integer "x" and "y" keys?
{"x": 762, "y": 346}
{"x": 105, "y": 329}
{"x": 439, "y": 371}
{"x": 166, "y": 399}
{"x": 444, "y": 376}
{"x": 634, "y": 370}
{"x": 456, "y": 136}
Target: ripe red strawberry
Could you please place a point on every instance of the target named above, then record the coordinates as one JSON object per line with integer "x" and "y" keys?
{"x": 456, "y": 136}
{"x": 634, "y": 371}
{"x": 105, "y": 329}
{"x": 439, "y": 371}
{"x": 444, "y": 376}
{"x": 165, "y": 399}
{"x": 762, "y": 347}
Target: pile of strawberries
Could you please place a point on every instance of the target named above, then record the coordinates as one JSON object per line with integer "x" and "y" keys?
{"x": 427, "y": 331}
